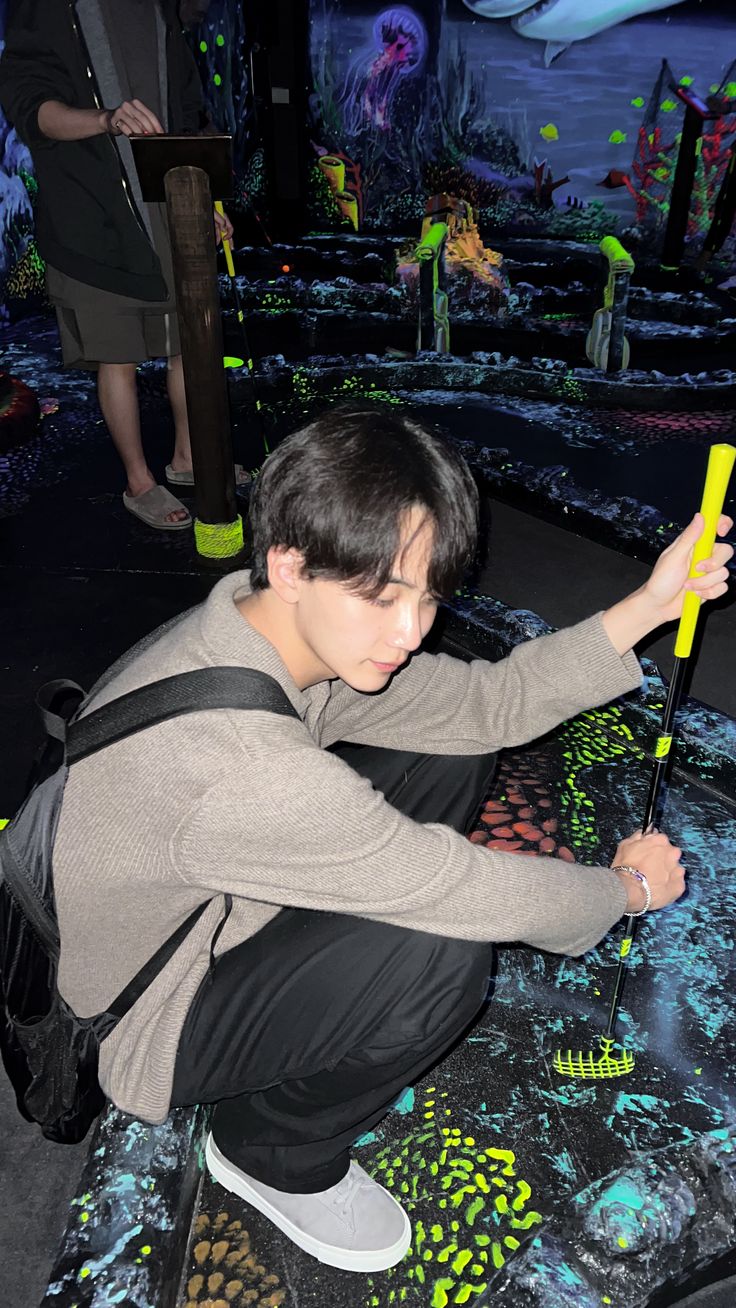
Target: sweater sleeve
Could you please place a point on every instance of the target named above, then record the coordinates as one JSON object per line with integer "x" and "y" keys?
{"x": 300, "y": 828}
{"x": 32, "y": 71}
{"x": 440, "y": 705}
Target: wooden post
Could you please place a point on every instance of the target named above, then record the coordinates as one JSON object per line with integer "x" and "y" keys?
{"x": 189, "y": 204}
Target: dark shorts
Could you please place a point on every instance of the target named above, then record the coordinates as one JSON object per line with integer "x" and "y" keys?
{"x": 101, "y": 327}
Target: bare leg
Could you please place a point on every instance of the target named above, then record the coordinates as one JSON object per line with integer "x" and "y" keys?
{"x": 181, "y": 459}
{"x": 118, "y": 397}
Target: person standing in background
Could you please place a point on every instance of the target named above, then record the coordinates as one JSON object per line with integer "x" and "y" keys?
{"x": 77, "y": 78}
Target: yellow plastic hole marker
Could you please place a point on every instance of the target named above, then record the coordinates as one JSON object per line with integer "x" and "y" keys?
{"x": 606, "y": 1063}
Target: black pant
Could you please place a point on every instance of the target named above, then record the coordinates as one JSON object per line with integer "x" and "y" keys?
{"x": 308, "y": 1031}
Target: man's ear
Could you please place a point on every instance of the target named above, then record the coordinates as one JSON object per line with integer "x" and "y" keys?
{"x": 285, "y": 568}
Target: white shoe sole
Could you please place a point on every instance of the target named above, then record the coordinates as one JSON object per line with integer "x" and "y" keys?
{"x": 357, "y": 1260}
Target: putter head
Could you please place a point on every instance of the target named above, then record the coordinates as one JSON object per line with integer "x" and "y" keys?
{"x": 591, "y": 1066}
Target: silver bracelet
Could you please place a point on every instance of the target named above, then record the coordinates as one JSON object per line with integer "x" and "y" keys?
{"x": 634, "y": 872}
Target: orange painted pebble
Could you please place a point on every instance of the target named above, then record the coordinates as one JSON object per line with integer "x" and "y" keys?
{"x": 566, "y": 854}
{"x": 547, "y": 845}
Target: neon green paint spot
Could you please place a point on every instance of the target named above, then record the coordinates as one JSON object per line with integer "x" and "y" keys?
{"x": 145, "y": 1248}
{"x": 506, "y": 1156}
{"x": 464, "y": 1294}
{"x": 84, "y": 1273}
{"x": 525, "y": 1192}
{"x": 606, "y": 1299}
{"x": 203, "y": 47}
{"x": 462, "y": 1260}
{"x": 549, "y": 132}
{"x": 220, "y": 39}
{"x": 232, "y": 361}
{"x": 4, "y": 822}
{"x": 473, "y": 1210}
{"x": 437, "y": 1233}
{"x": 637, "y": 102}
{"x": 511, "y": 1242}
{"x": 625, "y": 949}
{"x": 497, "y": 1254}
{"x": 525, "y": 1223}
{"x": 617, "y": 137}
{"x": 668, "y": 105}
{"x": 729, "y": 90}
{"x": 84, "y": 1217}
{"x": 686, "y": 81}
{"x": 439, "y": 1298}
{"x": 217, "y": 79}
{"x": 698, "y": 1071}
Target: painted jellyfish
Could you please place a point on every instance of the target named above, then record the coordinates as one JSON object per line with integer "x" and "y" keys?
{"x": 397, "y": 51}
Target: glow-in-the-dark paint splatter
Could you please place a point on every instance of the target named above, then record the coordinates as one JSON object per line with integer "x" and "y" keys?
{"x": 475, "y": 1209}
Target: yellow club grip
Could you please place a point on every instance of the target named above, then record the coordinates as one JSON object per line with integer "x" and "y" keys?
{"x": 226, "y": 243}
{"x": 720, "y": 464}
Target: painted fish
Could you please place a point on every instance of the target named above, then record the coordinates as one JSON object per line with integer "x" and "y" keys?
{"x": 561, "y": 22}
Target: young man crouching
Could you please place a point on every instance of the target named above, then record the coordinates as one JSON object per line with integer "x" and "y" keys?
{"x": 353, "y": 924}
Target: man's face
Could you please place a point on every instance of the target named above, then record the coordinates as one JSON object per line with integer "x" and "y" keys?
{"x": 363, "y": 641}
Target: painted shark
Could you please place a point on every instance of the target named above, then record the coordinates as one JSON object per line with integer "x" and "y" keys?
{"x": 560, "y": 22}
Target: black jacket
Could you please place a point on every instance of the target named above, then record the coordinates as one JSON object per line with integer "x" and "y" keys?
{"x": 87, "y": 223}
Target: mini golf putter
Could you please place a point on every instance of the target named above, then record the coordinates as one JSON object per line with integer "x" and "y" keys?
{"x": 229, "y": 361}
{"x": 605, "y": 1064}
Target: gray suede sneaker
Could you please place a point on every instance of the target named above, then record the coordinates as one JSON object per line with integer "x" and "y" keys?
{"x": 356, "y": 1224}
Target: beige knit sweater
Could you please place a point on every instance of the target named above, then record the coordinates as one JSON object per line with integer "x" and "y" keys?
{"x": 250, "y": 803}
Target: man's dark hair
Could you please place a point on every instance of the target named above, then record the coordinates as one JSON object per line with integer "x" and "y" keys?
{"x": 338, "y": 491}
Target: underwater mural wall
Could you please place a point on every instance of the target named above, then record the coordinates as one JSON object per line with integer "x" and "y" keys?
{"x": 21, "y": 270}
{"x": 555, "y": 119}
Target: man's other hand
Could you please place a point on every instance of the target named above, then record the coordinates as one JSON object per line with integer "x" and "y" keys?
{"x": 223, "y": 227}
{"x": 133, "y": 118}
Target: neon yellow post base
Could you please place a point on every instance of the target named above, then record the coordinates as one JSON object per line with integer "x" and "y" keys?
{"x": 219, "y": 540}
{"x": 594, "y": 1066}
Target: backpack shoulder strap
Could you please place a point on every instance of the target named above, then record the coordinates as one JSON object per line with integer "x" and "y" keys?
{"x": 56, "y": 702}
{"x": 187, "y": 692}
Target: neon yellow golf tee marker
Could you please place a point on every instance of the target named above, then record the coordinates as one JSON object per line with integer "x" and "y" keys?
{"x": 720, "y": 465}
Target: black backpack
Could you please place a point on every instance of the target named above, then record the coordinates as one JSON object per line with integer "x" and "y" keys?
{"x": 50, "y": 1054}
